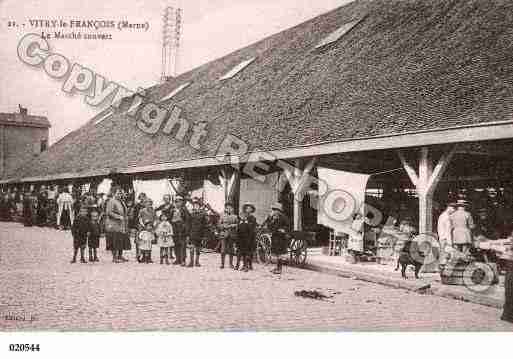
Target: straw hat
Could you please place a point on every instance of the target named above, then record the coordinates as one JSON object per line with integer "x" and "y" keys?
{"x": 278, "y": 206}
{"x": 251, "y": 205}
{"x": 462, "y": 203}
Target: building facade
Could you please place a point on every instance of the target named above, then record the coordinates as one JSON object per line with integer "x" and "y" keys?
{"x": 22, "y": 137}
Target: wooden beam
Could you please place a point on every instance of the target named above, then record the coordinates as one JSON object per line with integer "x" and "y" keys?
{"x": 439, "y": 170}
{"x": 409, "y": 169}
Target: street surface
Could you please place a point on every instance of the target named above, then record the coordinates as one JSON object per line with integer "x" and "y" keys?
{"x": 41, "y": 290}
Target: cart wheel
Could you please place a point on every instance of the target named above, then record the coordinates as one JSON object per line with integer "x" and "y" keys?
{"x": 298, "y": 252}
{"x": 264, "y": 248}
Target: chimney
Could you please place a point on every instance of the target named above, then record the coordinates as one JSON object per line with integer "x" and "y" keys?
{"x": 23, "y": 110}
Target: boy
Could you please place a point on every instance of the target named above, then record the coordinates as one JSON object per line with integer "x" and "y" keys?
{"x": 81, "y": 226}
{"x": 93, "y": 240}
{"x": 228, "y": 233}
{"x": 198, "y": 229}
{"x": 246, "y": 237}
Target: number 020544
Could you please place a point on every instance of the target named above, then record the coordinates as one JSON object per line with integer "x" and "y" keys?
{"x": 23, "y": 347}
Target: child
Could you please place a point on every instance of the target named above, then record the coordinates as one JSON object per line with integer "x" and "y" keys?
{"x": 81, "y": 226}
{"x": 147, "y": 214}
{"x": 198, "y": 229}
{"x": 246, "y": 236}
{"x": 228, "y": 232}
{"x": 93, "y": 241}
{"x": 146, "y": 236}
{"x": 164, "y": 234}
{"x": 135, "y": 238}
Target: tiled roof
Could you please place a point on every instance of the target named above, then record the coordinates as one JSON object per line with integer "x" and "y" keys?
{"x": 406, "y": 66}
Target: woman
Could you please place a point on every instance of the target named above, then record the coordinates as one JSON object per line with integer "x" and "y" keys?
{"x": 278, "y": 223}
{"x": 65, "y": 214}
{"x": 507, "y": 314}
{"x": 116, "y": 225}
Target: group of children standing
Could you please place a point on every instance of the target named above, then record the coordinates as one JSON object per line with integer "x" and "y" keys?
{"x": 174, "y": 230}
{"x": 178, "y": 229}
{"x": 238, "y": 234}
{"x": 86, "y": 231}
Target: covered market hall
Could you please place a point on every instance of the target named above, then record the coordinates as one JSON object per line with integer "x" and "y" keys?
{"x": 414, "y": 97}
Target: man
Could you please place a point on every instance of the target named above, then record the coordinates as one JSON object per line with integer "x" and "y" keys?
{"x": 444, "y": 229}
{"x": 116, "y": 224}
{"x": 180, "y": 220}
{"x": 228, "y": 233}
{"x": 462, "y": 224}
{"x": 166, "y": 207}
{"x": 198, "y": 229}
{"x": 279, "y": 224}
{"x": 42, "y": 209}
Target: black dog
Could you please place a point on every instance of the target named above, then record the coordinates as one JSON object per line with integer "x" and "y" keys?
{"x": 410, "y": 255}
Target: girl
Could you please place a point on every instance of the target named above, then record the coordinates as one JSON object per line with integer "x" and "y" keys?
{"x": 146, "y": 236}
{"x": 164, "y": 234}
{"x": 147, "y": 214}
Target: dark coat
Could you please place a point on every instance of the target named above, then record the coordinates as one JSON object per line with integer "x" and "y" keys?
{"x": 198, "y": 226}
{"x": 246, "y": 238}
{"x": 165, "y": 209}
{"x": 182, "y": 227}
{"x": 279, "y": 225}
{"x": 116, "y": 219}
{"x": 80, "y": 228}
{"x": 93, "y": 240}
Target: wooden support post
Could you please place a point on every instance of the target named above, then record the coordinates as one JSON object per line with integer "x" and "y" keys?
{"x": 425, "y": 196}
{"x": 425, "y": 183}
{"x": 298, "y": 177}
{"x": 297, "y": 200}
{"x": 232, "y": 187}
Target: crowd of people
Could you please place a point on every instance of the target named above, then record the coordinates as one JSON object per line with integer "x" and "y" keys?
{"x": 125, "y": 221}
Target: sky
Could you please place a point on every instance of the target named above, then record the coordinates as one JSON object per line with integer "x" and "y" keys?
{"x": 211, "y": 29}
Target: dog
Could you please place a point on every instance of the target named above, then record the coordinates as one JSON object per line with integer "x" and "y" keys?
{"x": 410, "y": 255}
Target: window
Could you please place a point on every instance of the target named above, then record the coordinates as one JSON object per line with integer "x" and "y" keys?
{"x": 104, "y": 117}
{"x": 175, "y": 91}
{"x": 337, "y": 34}
{"x": 44, "y": 145}
{"x": 237, "y": 69}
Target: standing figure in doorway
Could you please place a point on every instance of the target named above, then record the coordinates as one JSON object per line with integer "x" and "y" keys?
{"x": 444, "y": 229}
{"x": 462, "y": 225}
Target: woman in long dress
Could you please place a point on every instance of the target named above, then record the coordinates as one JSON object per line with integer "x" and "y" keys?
{"x": 507, "y": 314}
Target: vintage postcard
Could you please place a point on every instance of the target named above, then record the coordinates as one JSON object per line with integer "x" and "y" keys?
{"x": 256, "y": 166}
